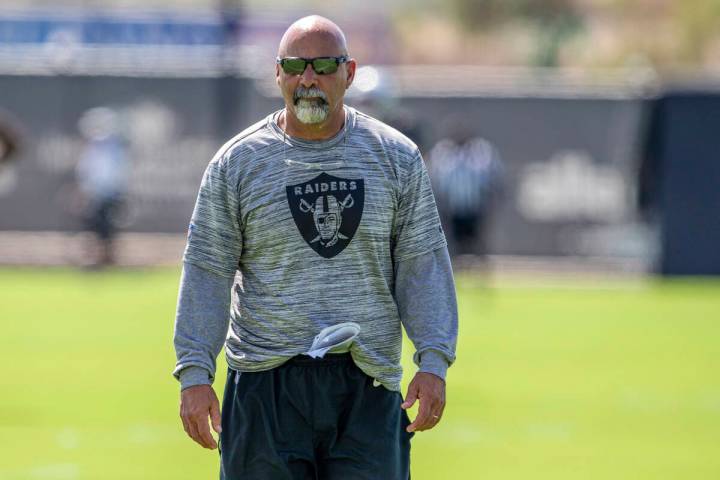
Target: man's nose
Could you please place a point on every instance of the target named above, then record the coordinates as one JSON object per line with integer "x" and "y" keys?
{"x": 307, "y": 79}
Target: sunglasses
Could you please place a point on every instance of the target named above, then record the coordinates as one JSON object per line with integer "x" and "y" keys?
{"x": 321, "y": 65}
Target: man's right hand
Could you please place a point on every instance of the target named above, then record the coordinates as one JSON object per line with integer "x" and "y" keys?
{"x": 196, "y": 404}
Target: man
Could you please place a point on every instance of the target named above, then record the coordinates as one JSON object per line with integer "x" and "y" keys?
{"x": 466, "y": 170}
{"x": 8, "y": 153}
{"x": 8, "y": 140}
{"x": 102, "y": 177}
{"x": 329, "y": 218}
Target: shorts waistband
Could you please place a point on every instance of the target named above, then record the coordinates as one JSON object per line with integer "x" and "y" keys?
{"x": 328, "y": 359}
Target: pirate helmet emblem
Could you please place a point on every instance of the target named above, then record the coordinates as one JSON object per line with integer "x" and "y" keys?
{"x": 327, "y": 215}
{"x": 327, "y": 211}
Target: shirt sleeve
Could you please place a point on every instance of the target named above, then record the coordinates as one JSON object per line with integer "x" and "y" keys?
{"x": 214, "y": 236}
{"x": 201, "y": 324}
{"x": 417, "y": 227}
{"x": 425, "y": 295}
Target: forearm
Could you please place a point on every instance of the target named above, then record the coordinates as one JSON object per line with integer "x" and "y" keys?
{"x": 201, "y": 324}
{"x": 425, "y": 294}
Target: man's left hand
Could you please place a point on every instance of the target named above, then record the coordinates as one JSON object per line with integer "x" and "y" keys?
{"x": 429, "y": 389}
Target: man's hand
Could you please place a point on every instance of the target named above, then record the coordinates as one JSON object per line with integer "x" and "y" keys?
{"x": 196, "y": 403}
{"x": 430, "y": 390}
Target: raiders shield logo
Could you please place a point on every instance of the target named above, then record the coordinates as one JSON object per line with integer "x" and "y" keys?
{"x": 327, "y": 211}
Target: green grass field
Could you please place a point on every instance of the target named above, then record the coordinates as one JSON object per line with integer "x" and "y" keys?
{"x": 617, "y": 380}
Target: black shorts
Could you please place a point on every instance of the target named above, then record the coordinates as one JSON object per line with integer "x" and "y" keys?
{"x": 312, "y": 419}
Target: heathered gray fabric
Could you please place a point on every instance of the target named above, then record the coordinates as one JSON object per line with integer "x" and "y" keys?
{"x": 247, "y": 219}
{"x": 201, "y": 324}
{"x": 424, "y": 291}
{"x": 425, "y": 295}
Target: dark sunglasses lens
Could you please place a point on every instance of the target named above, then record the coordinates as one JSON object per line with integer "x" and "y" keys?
{"x": 325, "y": 65}
{"x": 294, "y": 66}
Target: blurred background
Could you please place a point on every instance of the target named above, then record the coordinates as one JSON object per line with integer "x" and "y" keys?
{"x": 573, "y": 148}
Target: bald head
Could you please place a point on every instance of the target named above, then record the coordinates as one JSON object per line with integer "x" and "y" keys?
{"x": 314, "y": 99}
{"x": 309, "y": 35}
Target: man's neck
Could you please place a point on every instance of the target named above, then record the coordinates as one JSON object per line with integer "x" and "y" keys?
{"x": 317, "y": 131}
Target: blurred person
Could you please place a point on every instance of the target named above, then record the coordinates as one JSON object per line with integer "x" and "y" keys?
{"x": 9, "y": 146}
{"x": 8, "y": 141}
{"x": 377, "y": 96}
{"x": 329, "y": 217}
{"x": 467, "y": 176}
{"x": 102, "y": 177}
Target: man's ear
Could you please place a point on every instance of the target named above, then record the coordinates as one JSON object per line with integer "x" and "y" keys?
{"x": 350, "y": 66}
{"x": 277, "y": 74}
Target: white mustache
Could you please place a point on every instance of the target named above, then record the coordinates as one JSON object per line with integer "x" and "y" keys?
{"x": 302, "y": 92}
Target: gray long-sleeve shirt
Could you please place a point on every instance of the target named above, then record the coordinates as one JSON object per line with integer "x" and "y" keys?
{"x": 324, "y": 232}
